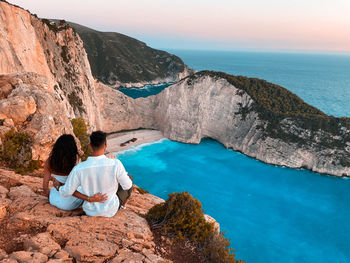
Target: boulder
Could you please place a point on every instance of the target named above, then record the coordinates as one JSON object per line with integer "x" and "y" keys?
{"x": 27, "y": 256}
{"x": 86, "y": 248}
{"x": 8, "y": 123}
{"x": 3, "y": 254}
{"x": 3, "y": 192}
{"x": 17, "y": 108}
{"x": 4, "y": 203}
{"x": 43, "y": 243}
{"x": 210, "y": 219}
{"x": 22, "y": 191}
{"x": 128, "y": 256}
{"x": 62, "y": 254}
{"x": 9, "y": 260}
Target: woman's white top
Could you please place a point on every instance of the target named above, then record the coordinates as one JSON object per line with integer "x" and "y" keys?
{"x": 61, "y": 178}
{"x": 64, "y": 203}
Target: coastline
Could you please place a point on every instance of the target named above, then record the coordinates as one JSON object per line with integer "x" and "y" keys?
{"x": 114, "y": 140}
{"x": 148, "y": 135}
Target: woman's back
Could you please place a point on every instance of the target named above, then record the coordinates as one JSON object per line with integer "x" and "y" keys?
{"x": 60, "y": 178}
{"x": 63, "y": 158}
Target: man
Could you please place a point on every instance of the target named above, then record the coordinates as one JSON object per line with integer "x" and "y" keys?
{"x": 99, "y": 174}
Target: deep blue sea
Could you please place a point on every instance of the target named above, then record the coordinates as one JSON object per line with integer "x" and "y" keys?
{"x": 270, "y": 214}
{"x": 322, "y": 80}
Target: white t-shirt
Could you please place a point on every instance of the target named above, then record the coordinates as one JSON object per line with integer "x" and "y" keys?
{"x": 98, "y": 175}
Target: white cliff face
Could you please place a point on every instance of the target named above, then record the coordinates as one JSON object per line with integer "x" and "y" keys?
{"x": 205, "y": 106}
{"x": 212, "y": 107}
{"x": 120, "y": 112}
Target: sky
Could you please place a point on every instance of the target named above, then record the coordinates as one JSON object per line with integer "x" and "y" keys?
{"x": 307, "y": 25}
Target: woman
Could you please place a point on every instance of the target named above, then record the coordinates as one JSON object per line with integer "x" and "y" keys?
{"x": 63, "y": 157}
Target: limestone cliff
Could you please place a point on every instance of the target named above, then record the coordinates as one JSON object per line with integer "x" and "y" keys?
{"x": 117, "y": 59}
{"x": 29, "y": 45}
{"x": 45, "y": 78}
{"x": 257, "y": 118}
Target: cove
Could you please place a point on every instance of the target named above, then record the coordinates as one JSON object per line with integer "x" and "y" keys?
{"x": 270, "y": 214}
{"x": 145, "y": 91}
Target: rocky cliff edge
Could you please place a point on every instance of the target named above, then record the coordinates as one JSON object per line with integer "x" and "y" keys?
{"x": 34, "y": 231}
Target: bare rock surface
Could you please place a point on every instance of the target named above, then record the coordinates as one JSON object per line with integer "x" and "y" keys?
{"x": 27, "y": 256}
{"x": 3, "y": 254}
{"x": 35, "y": 231}
{"x": 43, "y": 243}
{"x": 3, "y": 192}
{"x": 45, "y": 79}
{"x": 4, "y": 203}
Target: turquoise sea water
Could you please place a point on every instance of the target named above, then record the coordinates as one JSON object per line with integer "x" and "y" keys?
{"x": 145, "y": 91}
{"x": 271, "y": 214}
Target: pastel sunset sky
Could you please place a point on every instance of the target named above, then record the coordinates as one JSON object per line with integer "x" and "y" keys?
{"x": 308, "y": 25}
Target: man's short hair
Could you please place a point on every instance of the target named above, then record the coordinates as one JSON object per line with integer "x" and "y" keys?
{"x": 98, "y": 139}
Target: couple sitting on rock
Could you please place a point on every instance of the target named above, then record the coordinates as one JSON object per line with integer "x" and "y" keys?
{"x": 82, "y": 183}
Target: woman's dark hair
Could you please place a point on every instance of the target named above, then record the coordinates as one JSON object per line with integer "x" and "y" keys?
{"x": 64, "y": 155}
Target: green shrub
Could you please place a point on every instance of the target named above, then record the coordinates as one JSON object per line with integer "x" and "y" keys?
{"x": 16, "y": 152}
{"x": 181, "y": 216}
{"x": 80, "y": 131}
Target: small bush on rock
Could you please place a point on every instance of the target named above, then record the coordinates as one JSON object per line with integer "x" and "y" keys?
{"x": 80, "y": 131}
{"x": 181, "y": 216}
{"x": 16, "y": 152}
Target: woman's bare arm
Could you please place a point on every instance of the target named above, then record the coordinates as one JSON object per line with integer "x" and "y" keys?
{"x": 99, "y": 197}
{"x": 47, "y": 177}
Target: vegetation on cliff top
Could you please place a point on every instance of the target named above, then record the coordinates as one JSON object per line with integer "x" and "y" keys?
{"x": 274, "y": 103}
{"x": 268, "y": 96}
{"x": 16, "y": 152}
{"x": 181, "y": 217}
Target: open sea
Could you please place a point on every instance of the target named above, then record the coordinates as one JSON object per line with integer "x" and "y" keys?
{"x": 270, "y": 214}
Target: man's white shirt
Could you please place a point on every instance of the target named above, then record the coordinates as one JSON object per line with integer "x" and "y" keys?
{"x": 98, "y": 175}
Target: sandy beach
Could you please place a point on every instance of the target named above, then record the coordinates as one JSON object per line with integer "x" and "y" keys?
{"x": 122, "y": 140}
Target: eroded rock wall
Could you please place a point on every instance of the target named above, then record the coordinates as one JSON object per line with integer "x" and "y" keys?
{"x": 205, "y": 106}
{"x": 45, "y": 79}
